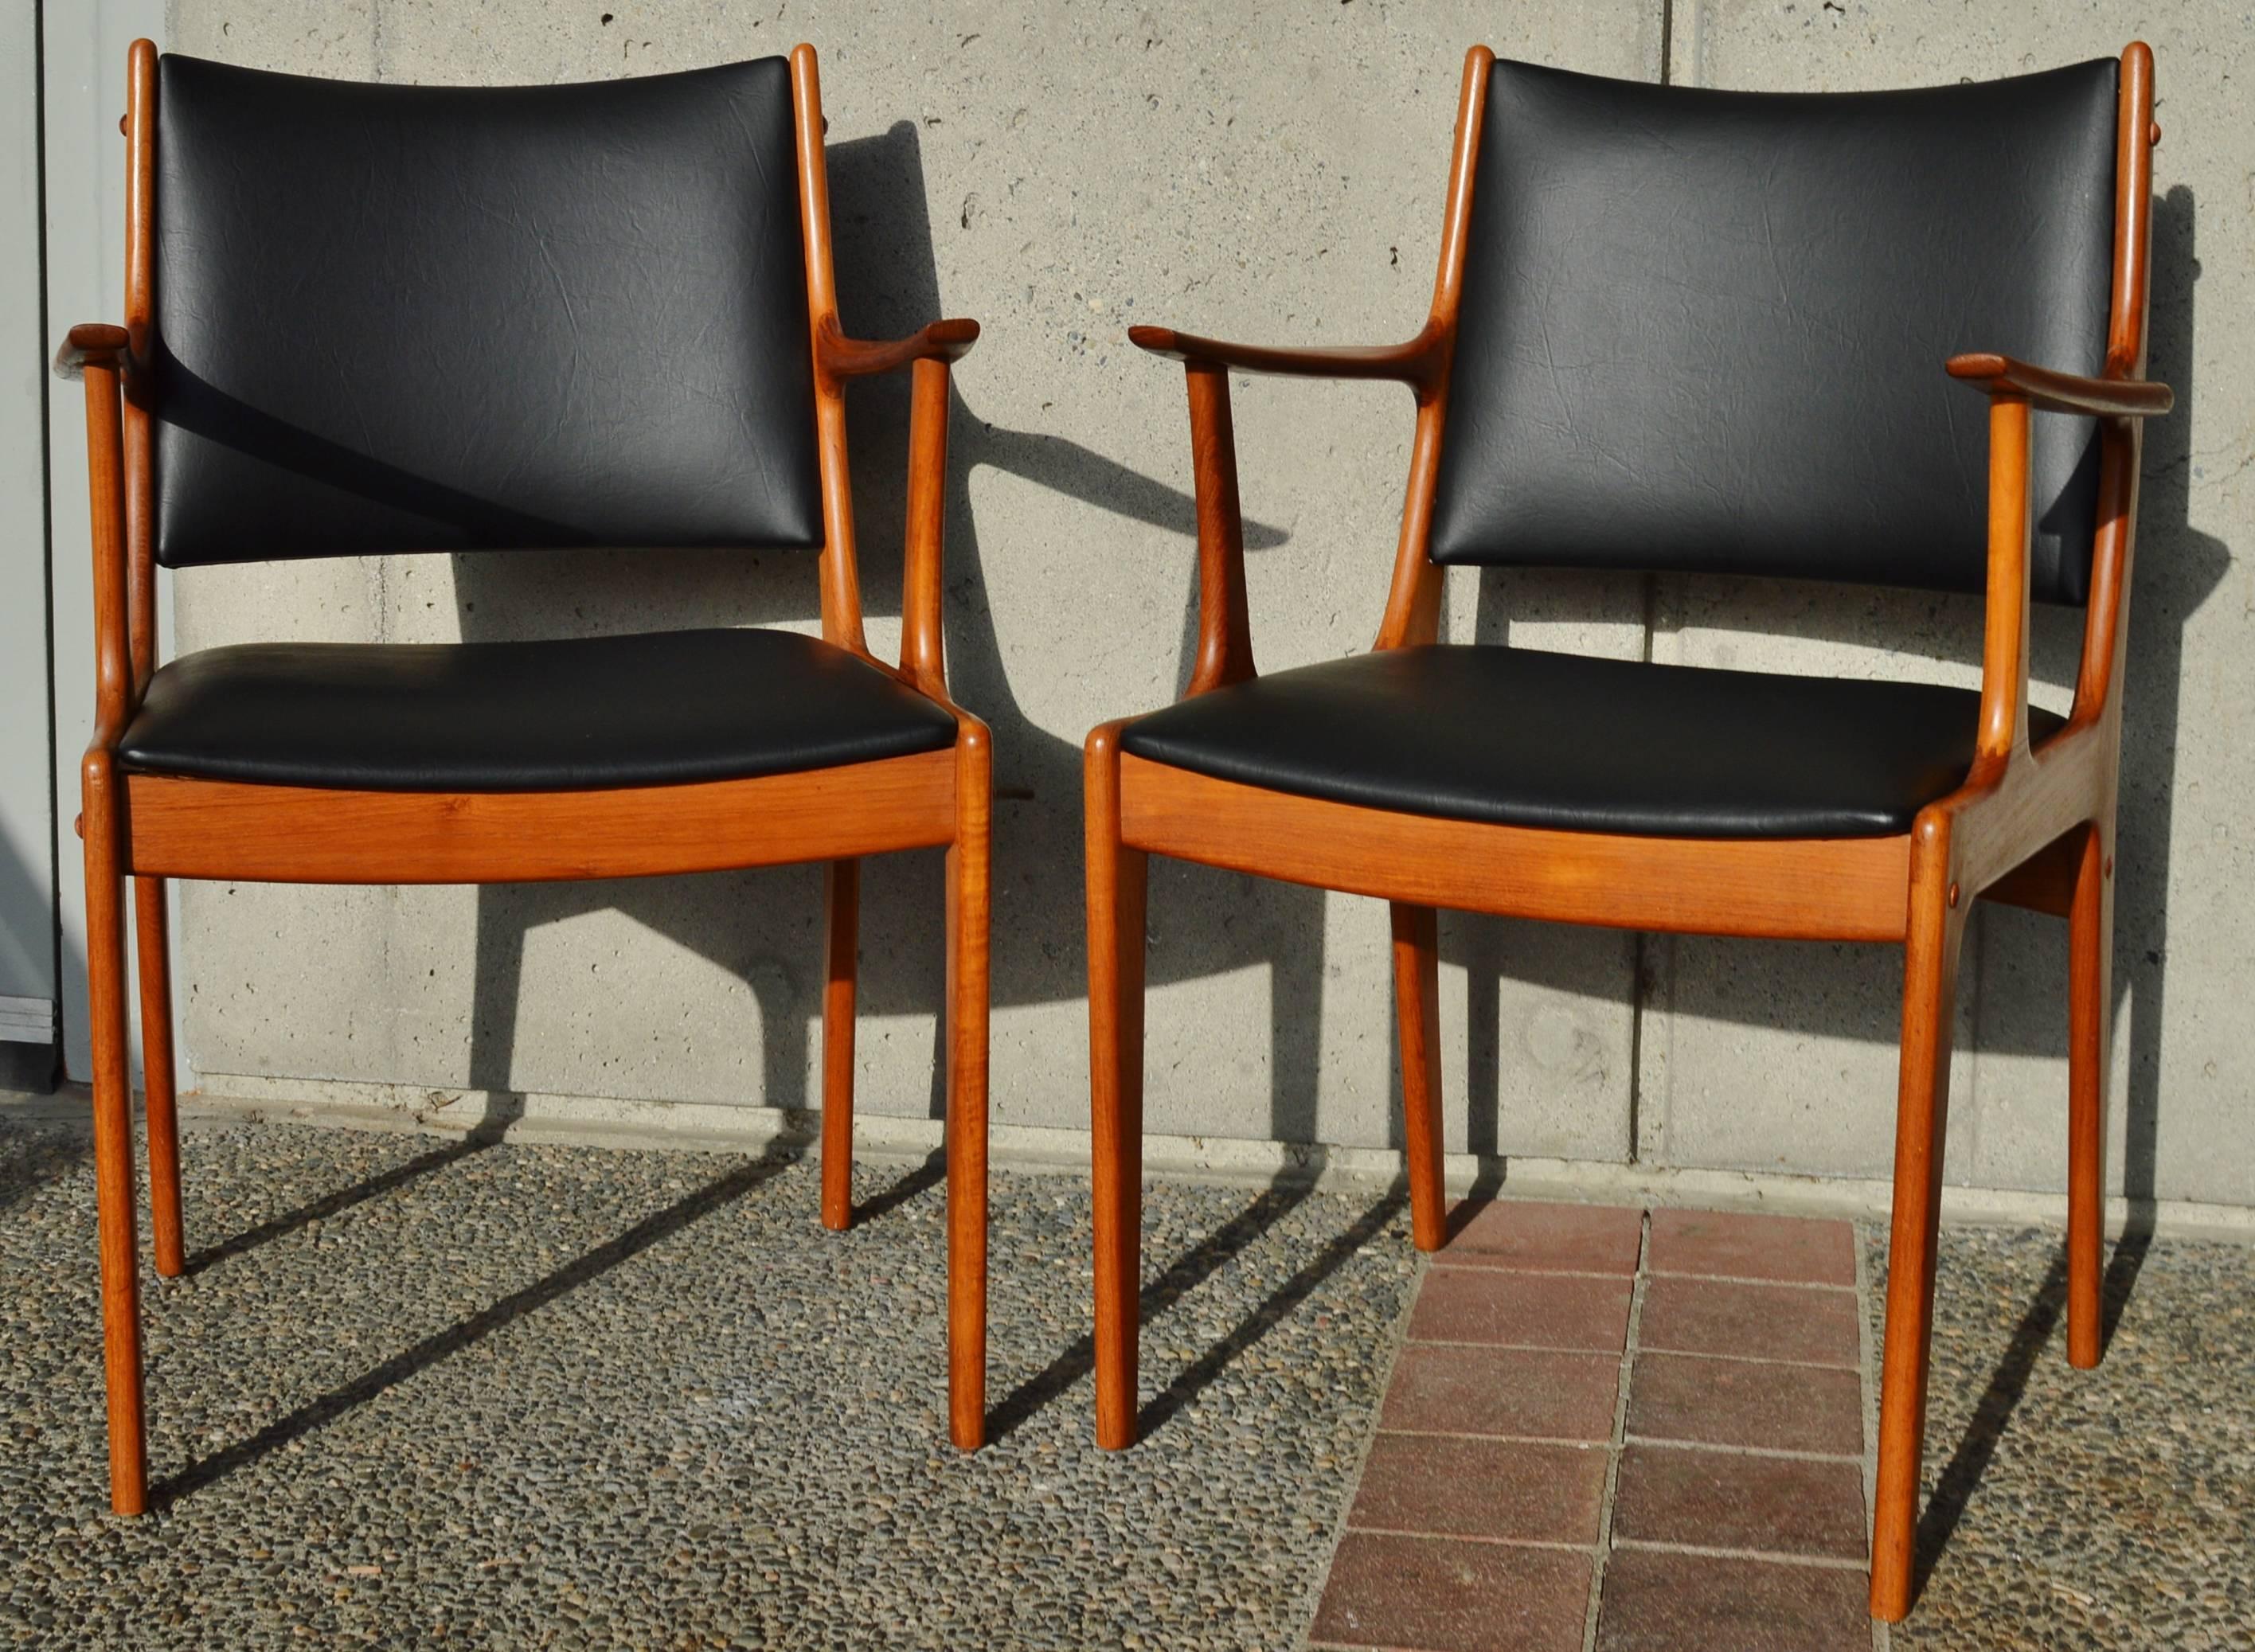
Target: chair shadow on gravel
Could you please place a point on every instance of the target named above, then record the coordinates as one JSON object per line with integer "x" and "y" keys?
{"x": 1961, "y": 1478}
{"x": 925, "y": 1176}
{"x": 1187, "y": 1271}
{"x": 489, "y": 1131}
{"x": 652, "y": 1229}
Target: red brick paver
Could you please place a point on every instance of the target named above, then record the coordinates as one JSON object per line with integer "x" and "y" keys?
{"x": 1768, "y": 1322}
{"x": 1523, "y": 1310}
{"x": 1444, "y": 1389}
{"x": 1459, "y": 1486}
{"x": 1734, "y": 1500}
{"x": 1582, "y": 1238}
{"x": 1728, "y": 1246}
{"x": 1438, "y": 1594}
{"x": 1649, "y": 1427}
{"x": 1758, "y": 1403}
{"x": 1660, "y": 1602}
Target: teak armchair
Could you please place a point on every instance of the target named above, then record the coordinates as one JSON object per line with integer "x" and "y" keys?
{"x": 1698, "y": 332}
{"x": 367, "y": 318}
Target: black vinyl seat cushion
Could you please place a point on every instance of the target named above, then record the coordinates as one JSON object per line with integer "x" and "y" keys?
{"x": 576, "y": 713}
{"x": 1516, "y": 737}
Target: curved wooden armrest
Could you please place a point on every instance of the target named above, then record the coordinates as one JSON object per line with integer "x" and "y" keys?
{"x": 2056, "y": 392}
{"x": 93, "y": 344}
{"x": 856, "y": 358}
{"x": 1410, "y": 363}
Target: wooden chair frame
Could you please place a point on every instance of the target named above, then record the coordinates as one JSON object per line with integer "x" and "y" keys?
{"x": 152, "y": 827}
{"x": 2030, "y": 827}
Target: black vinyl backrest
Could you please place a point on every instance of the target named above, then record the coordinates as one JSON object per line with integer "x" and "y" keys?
{"x": 405, "y": 318}
{"x": 1705, "y": 330}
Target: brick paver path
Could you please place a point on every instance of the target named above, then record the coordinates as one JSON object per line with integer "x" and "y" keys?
{"x": 1621, "y": 1431}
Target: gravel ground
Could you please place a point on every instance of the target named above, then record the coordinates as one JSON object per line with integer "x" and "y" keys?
{"x": 2107, "y": 1509}
{"x": 416, "y": 1392}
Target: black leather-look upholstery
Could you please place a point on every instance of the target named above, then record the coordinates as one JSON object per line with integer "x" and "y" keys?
{"x": 1515, "y": 737}
{"x": 1705, "y": 330}
{"x": 401, "y": 317}
{"x": 572, "y": 714}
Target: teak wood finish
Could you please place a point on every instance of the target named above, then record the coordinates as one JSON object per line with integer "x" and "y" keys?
{"x": 2031, "y": 827}
{"x": 152, "y": 827}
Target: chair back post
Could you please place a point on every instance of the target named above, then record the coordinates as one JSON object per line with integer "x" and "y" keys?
{"x": 139, "y": 479}
{"x": 2097, "y": 688}
{"x": 2003, "y": 731}
{"x": 840, "y": 570}
{"x": 1413, "y": 604}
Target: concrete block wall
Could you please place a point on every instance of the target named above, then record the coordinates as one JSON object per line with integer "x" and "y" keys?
{"x": 1270, "y": 172}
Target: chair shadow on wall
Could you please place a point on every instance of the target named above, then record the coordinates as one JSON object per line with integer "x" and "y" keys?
{"x": 762, "y": 927}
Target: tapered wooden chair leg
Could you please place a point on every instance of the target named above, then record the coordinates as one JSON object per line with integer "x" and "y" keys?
{"x": 1418, "y": 1015}
{"x": 113, "y": 1149}
{"x": 2090, "y": 972}
{"x": 1921, "y": 1118}
{"x": 969, "y": 900}
{"x": 841, "y": 913}
{"x": 152, "y": 931}
{"x": 1118, "y": 880}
